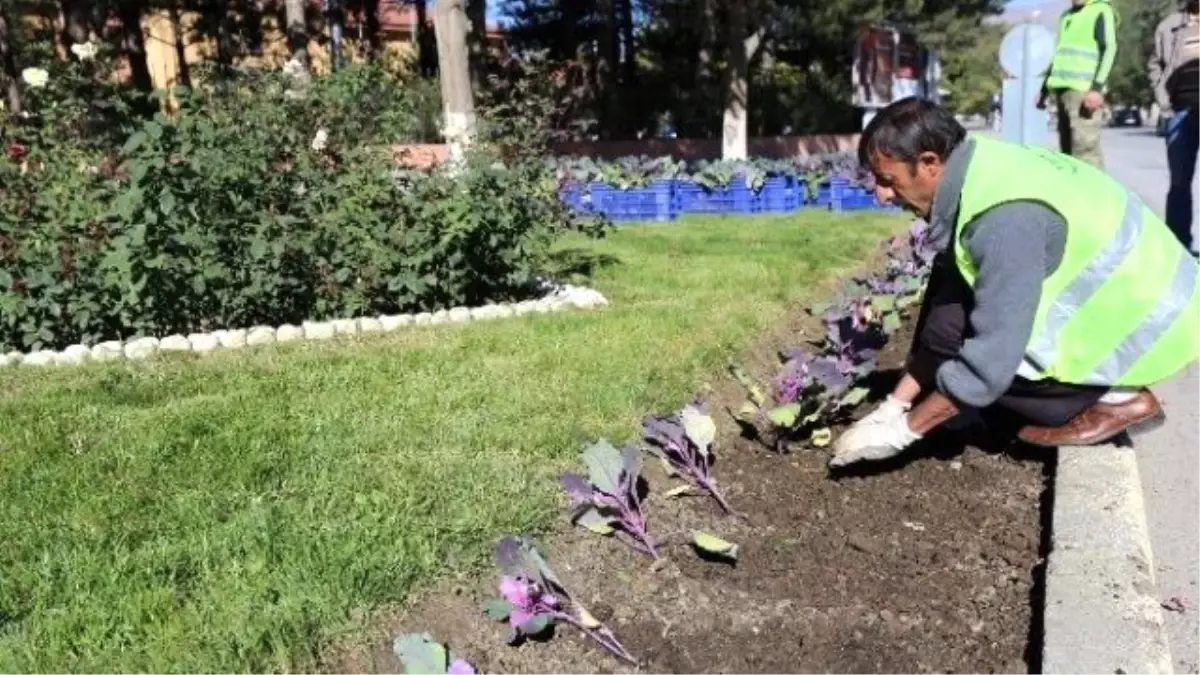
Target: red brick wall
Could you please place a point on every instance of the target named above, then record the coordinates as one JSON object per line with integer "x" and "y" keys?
{"x": 430, "y": 154}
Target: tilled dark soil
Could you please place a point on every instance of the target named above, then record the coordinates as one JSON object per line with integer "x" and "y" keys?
{"x": 927, "y": 564}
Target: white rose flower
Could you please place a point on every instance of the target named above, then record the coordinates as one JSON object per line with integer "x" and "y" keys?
{"x": 35, "y": 77}
{"x": 320, "y": 141}
{"x": 84, "y": 51}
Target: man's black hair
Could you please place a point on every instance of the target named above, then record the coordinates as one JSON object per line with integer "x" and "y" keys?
{"x": 909, "y": 127}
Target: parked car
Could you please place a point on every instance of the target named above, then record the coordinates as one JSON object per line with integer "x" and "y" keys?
{"x": 1126, "y": 116}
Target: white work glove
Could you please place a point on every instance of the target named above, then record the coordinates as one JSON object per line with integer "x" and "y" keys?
{"x": 892, "y": 407}
{"x": 887, "y": 436}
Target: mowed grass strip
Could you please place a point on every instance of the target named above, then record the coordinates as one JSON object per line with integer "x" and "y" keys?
{"x": 234, "y": 513}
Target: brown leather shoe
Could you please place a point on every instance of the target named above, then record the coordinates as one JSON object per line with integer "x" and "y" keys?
{"x": 1100, "y": 422}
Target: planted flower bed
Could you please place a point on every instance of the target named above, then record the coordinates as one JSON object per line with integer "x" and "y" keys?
{"x": 718, "y": 543}
{"x": 662, "y": 189}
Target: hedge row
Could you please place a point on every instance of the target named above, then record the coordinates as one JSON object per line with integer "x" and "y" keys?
{"x": 230, "y": 215}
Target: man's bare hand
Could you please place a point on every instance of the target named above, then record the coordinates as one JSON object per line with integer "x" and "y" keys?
{"x": 1093, "y": 100}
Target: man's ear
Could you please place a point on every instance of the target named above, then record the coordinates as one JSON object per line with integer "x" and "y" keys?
{"x": 929, "y": 164}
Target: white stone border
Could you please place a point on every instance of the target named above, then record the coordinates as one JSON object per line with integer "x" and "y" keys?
{"x": 562, "y": 297}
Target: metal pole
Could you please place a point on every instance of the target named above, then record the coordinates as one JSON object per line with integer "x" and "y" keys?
{"x": 1024, "y": 84}
{"x": 333, "y": 12}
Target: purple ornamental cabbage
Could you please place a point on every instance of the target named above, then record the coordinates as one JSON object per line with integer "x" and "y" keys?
{"x": 683, "y": 442}
{"x": 813, "y": 386}
{"x": 793, "y": 379}
{"x": 851, "y": 340}
{"x": 607, "y": 501}
{"x": 920, "y": 242}
{"x": 802, "y": 372}
{"x": 532, "y": 599}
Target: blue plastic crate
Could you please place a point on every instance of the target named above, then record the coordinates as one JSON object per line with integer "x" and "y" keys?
{"x": 855, "y": 198}
{"x": 664, "y": 200}
{"x": 781, "y": 194}
{"x": 842, "y": 195}
{"x": 654, "y": 202}
{"x": 692, "y": 197}
{"x": 573, "y": 196}
{"x": 824, "y": 196}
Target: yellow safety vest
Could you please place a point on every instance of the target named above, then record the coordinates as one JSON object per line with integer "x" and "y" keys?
{"x": 1076, "y": 54}
{"x": 1123, "y": 306}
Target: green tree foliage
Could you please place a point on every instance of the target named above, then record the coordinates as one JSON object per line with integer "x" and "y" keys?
{"x": 670, "y": 67}
{"x": 971, "y": 69}
{"x": 634, "y": 67}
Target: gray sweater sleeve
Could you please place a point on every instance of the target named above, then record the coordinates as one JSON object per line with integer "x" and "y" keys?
{"x": 1015, "y": 245}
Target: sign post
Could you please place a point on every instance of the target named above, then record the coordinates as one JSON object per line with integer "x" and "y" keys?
{"x": 1025, "y": 54}
{"x": 890, "y": 64}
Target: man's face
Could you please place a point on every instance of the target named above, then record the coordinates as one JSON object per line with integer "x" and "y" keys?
{"x": 909, "y": 187}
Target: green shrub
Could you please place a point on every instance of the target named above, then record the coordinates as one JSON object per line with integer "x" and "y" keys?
{"x": 365, "y": 99}
{"x": 232, "y": 213}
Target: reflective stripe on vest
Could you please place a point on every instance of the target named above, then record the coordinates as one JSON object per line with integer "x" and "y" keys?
{"x": 1122, "y": 307}
{"x": 1084, "y": 52}
{"x": 1076, "y": 55}
{"x": 1043, "y": 347}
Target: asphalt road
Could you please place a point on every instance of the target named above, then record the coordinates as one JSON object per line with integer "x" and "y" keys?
{"x": 1167, "y": 458}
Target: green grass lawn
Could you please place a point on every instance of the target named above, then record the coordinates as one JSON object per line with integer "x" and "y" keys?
{"x": 233, "y": 513}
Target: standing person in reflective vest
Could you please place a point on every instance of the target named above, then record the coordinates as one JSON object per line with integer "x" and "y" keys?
{"x": 1055, "y": 294}
{"x": 1083, "y": 57}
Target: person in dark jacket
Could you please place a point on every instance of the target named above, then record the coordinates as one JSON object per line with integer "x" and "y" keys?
{"x": 1174, "y": 69}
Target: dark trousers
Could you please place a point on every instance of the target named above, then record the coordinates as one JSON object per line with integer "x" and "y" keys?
{"x": 1183, "y": 141}
{"x": 943, "y": 325}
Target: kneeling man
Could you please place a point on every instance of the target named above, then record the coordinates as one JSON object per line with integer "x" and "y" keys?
{"x": 1056, "y": 294}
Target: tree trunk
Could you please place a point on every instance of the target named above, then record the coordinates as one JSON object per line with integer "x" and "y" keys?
{"x": 8, "y": 62}
{"x": 370, "y": 10}
{"x": 478, "y": 43}
{"x": 567, "y": 40}
{"x": 77, "y": 25}
{"x": 133, "y": 43}
{"x": 607, "y": 70}
{"x": 631, "y": 102}
{"x": 426, "y": 50}
{"x": 741, "y": 51}
{"x": 629, "y": 74}
{"x": 220, "y": 20}
{"x": 703, "y": 106}
{"x": 183, "y": 75}
{"x": 450, "y": 26}
{"x": 252, "y": 26}
{"x": 297, "y": 33}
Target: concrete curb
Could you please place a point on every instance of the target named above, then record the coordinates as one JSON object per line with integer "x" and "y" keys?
{"x": 1101, "y": 614}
